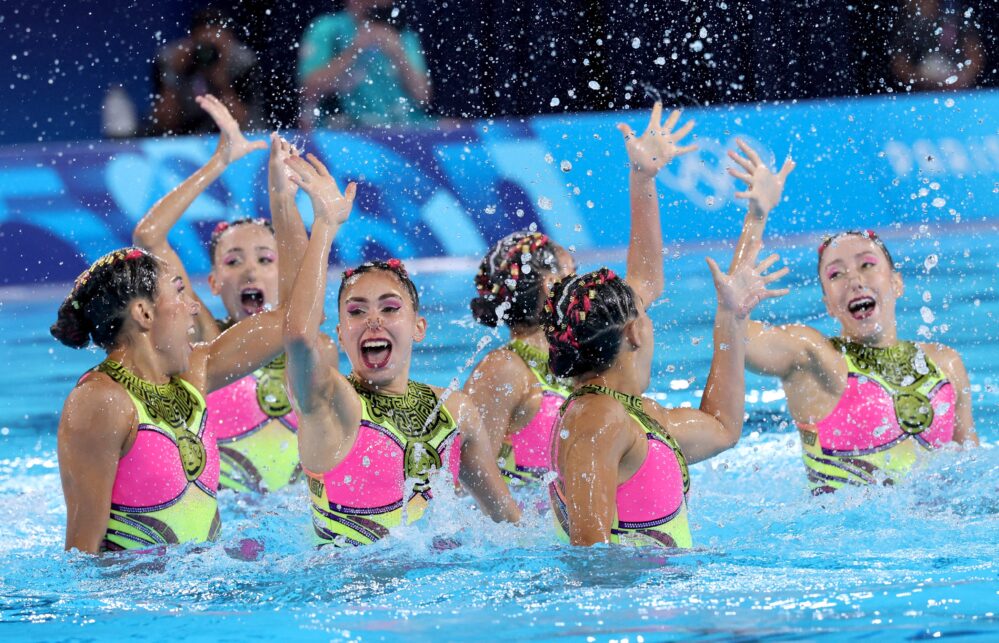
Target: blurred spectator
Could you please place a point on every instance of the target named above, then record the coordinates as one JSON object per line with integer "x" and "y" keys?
{"x": 357, "y": 68}
{"x": 937, "y": 46}
{"x": 210, "y": 61}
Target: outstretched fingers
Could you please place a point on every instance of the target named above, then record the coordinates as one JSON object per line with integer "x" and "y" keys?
{"x": 766, "y": 263}
{"x": 773, "y": 294}
{"x": 626, "y": 131}
{"x": 748, "y": 151}
{"x": 787, "y": 168}
{"x": 716, "y": 272}
{"x": 656, "y": 116}
{"x": 683, "y": 131}
{"x": 318, "y": 165}
{"x": 743, "y": 162}
{"x": 674, "y": 118}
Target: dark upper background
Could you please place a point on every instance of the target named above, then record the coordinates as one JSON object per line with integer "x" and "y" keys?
{"x": 485, "y": 58}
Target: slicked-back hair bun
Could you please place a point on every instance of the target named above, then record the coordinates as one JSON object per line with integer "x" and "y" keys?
{"x": 584, "y": 318}
{"x": 95, "y": 309}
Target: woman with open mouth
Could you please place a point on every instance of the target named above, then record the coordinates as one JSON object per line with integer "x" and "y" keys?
{"x": 374, "y": 444}
{"x": 867, "y": 404}
{"x": 254, "y": 423}
{"x": 513, "y": 281}
{"x": 137, "y": 457}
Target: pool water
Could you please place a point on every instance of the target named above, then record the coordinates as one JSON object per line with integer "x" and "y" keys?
{"x": 914, "y": 561}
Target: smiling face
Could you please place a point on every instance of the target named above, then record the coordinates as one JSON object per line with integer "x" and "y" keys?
{"x": 173, "y": 324}
{"x": 378, "y": 325}
{"x": 244, "y": 270}
{"x": 860, "y": 288}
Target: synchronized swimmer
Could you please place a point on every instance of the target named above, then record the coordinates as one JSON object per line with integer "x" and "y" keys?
{"x": 185, "y": 404}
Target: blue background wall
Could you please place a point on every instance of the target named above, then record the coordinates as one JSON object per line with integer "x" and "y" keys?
{"x": 861, "y": 163}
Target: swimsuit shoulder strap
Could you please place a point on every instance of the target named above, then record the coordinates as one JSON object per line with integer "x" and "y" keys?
{"x": 635, "y": 408}
{"x": 537, "y": 361}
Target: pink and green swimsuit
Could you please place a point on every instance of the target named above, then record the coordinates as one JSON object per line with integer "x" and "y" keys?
{"x": 164, "y": 488}
{"x": 386, "y": 479}
{"x": 526, "y": 454}
{"x": 651, "y": 506}
{"x": 257, "y": 431}
{"x": 897, "y": 405}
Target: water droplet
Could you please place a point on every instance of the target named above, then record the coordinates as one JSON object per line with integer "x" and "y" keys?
{"x": 563, "y": 434}
{"x": 926, "y": 314}
{"x": 555, "y": 102}
{"x": 549, "y": 158}
{"x": 931, "y": 262}
{"x": 660, "y": 60}
{"x": 593, "y": 84}
{"x": 939, "y": 202}
{"x": 565, "y": 166}
{"x": 544, "y": 203}
{"x": 636, "y": 43}
{"x": 951, "y": 79}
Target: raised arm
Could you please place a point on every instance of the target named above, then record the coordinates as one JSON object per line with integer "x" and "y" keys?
{"x": 96, "y": 421}
{"x": 479, "y": 472}
{"x": 153, "y": 229}
{"x": 647, "y": 154}
{"x": 724, "y": 396}
{"x": 289, "y": 231}
{"x": 772, "y": 350}
{"x": 322, "y": 395}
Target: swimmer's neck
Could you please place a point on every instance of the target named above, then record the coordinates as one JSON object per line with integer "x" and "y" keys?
{"x": 144, "y": 364}
{"x": 533, "y": 337}
{"x": 620, "y": 377}
{"x": 398, "y": 385}
{"x": 884, "y": 339}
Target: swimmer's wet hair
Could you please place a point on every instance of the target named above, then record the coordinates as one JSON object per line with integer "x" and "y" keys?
{"x": 96, "y": 307}
{"x": 583, "y": 321}
{"x": 510, "y": 280}
{"x": 394, "y": 266}
{"x": 870, "y": 235}
{"x": 222, "y": 226}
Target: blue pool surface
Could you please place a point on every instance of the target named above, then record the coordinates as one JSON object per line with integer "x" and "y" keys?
{"x": 917, "y": 561}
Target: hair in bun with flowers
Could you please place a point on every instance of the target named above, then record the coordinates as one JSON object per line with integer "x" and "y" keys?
{"x": 511, "y": 278}
{"x": 95, "y": 309}
{"x": 584, "y": 319}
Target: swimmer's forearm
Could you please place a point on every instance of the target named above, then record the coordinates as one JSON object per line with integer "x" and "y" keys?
{"x": 750, "y": 239}
{"x": 725, "y": 391}
{"x": 292, "y": 240}
{"x": 152, "y": 230}
{"x": 306, "y": 303}
{"x": 645, "y": 247}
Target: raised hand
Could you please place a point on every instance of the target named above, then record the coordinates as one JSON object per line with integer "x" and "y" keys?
{"x": 278, "y": 172}
{"x": 764, "y": 188}
{"x": 746, "y": 286}
{"x": 659, "y": 144}
{"x": 328, "y": 202}
{"x": 232, "y": 144}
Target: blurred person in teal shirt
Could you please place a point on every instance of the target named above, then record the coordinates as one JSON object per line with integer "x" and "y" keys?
{"x": 356, "y": 68}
